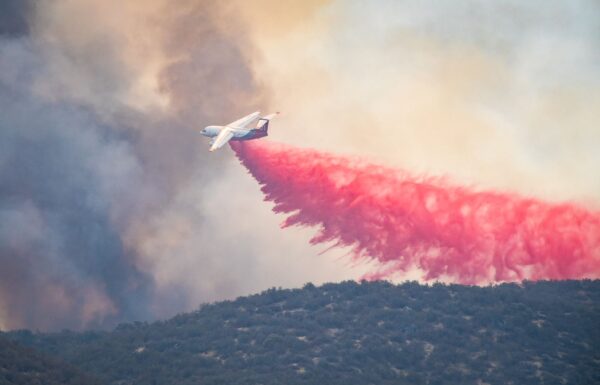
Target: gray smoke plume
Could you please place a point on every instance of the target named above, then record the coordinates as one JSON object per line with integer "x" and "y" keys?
{"x": 13, "y": 17}
{"x": 80, "y": 169}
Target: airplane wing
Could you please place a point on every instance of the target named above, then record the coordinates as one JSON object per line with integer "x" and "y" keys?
{"x": 243, "y": 122}
{"x": 224, "y": 136}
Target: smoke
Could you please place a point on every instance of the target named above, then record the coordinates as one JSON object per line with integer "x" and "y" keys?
{"x": 112, "y": 210}
{"x": 402, "y": 221}
{"x": 13, "y": 18}
{"x": 97, "y": 138}
{"x": 62, "y": 259}
{"x": 503, "y": 94}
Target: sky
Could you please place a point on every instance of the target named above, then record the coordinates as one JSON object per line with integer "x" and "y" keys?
{"x": 111, "y": 208}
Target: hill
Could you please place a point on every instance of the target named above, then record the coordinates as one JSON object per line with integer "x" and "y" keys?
{"x": 357, "y": 333}
{"x": 23, "y": 366}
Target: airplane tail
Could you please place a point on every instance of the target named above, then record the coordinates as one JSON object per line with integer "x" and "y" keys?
{"x": 263, "y": 122}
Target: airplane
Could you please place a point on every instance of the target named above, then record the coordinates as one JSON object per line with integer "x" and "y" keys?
{"x": 241, "y": 129}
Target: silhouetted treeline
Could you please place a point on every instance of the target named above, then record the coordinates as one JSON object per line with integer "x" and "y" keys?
{"x": 20, "y": 365}
{"x": 356, "y": 333}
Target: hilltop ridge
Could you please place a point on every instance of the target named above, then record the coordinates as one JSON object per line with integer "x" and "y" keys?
{"x": 356, "y": 333}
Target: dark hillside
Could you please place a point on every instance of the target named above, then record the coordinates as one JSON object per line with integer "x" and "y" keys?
{"x": 23, "y": 366}
{"x": 357, "y": 333}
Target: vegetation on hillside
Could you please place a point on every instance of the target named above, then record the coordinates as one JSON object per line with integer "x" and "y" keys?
{"x": 23, "y": 366}
{"x": 357, "y": 333}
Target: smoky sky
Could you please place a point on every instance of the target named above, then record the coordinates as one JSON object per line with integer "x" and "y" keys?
{"x": 111, "y": 208}
{"x": 74, "y": 178}
{"x": 13, "y": 17}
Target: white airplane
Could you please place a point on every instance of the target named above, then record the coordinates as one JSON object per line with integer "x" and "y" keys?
{"x": 249, "y": 127}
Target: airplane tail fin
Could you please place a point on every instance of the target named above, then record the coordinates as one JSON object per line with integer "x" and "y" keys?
{"x": 263, "y": 122}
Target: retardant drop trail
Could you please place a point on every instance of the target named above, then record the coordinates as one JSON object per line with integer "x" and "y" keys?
{"x": 401, "y": 221}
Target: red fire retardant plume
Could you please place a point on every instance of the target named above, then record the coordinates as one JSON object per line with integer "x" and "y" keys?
{"x": 449, "y": 232}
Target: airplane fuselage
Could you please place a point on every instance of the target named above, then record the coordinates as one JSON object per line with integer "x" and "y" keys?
{"x": 252, "y": 126}
{"x": 238, "y": 134}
